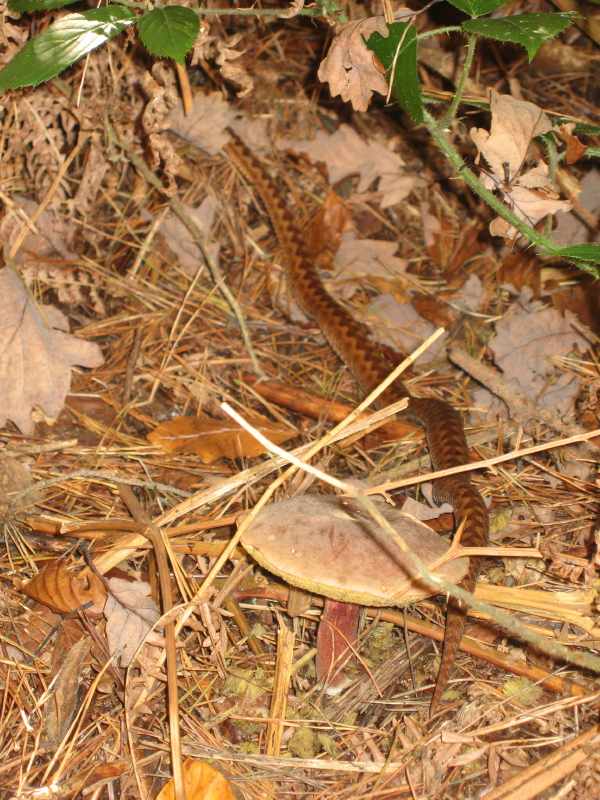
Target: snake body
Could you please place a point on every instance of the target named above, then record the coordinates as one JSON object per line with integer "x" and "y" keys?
{"x": 370, "y": 363}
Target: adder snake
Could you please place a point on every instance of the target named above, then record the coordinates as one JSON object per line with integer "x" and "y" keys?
{"x": 370, "y": 363}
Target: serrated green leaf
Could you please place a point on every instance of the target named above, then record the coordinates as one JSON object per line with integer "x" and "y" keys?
{"x": 399, "y": 50}
{"x": 528, "y": 30}
{"x": 62, "y": 44}
{"x": 592, "y": 152}
{"x": 581, "y": 252}
{"x": 586, "y": 128}
{"x": 169, "y": 32}
{"x": 477, "y": 8}
{"x": 38, "y": 5}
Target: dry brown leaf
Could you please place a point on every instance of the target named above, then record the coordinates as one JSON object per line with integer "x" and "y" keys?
{"x": 345, "y": 153}
{"x": 201, "y": 781}
{"x": 350, "y": 68}
{"x": 51, "y": 237}
{"x": 225, "y": 56}
{"x": 357, "y": 259}
{"x": 17, "y": 490}
{"x": 514, "y": 124}
{"x": 575, "y": 147}
{"x": 399, "y": 326}
{"x": 63, "y": 703}
{"x": 130, "y": 613}
{"x": 570, "y": 228}
{"x": 529, "y": 339}
{"x": 92, "y": 777}
{"x": 36, "y": 355}
{"x": 530, "y": 205}
{"x": 521, "y": 268}
{"x": 64, "y": 590}
{"x": 204, "y": 125}
{"x": 529, "y": 194}
{"x": 212, "y": 439}
{"x": 181, "y": 242}
{"x": 327, "y": 227}
{"x": 450, "y": 244}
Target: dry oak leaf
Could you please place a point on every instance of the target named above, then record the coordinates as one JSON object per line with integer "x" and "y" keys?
{"x": 358, "y": 259}
{"x": 36, "y": 355}
{"x": 212, "y": 439}
{"x": 200, "y": 781}
{"x": 399, "y": 326}
{"x": 183, "y": 244}
{"x": 204, "y": 125}
{"x": 530, "y": 339}
{"x": 532, "y": 198}
{"x": 345, "y": 153}
{"x": 130, "y": 614}
{"x": 64, "y": 590}
{"x": 352, "y": 70}
{"x": 530, "y": 194}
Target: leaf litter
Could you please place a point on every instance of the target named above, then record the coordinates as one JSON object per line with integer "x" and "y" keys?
{"x": 226, "y": 642}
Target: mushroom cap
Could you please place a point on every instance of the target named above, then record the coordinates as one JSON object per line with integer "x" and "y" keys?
{"x": 317, "y": 543}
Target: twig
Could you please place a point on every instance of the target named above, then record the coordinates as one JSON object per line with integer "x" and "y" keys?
{"x": 153, "y": 533}
{"x": 383, "y": 488}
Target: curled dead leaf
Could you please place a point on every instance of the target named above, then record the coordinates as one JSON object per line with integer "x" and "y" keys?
{"x": 61, "y": 589}
{"x": 350, "y": 68}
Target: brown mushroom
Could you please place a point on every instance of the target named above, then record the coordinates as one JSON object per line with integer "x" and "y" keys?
{"x": 320, "y": 545}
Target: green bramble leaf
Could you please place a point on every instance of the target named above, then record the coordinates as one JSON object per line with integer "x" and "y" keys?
{"x": 528, "y": 30}
{"x": 169, "y": 31}
{"x": 62, "y": 44}
{"x": 584, "y": 252}
{"x": 399, "y": 51}
{"x": 586, "y": 128}
{"x": 477, "y": 8}
{"x": 585, "y": 256}
{"x": 38, "y": 5}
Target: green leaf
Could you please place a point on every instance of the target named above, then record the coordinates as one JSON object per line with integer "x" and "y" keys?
{"x": 581, "y": 252}
{"x": 477, "y": 8}
{"x": 592, "y": 152}
{"x": 169, "y": 31}
{"x": 586, "y": 128}
{"x": 63, "y": 43}
{"x": 38, "y": 5}
{"x": 399, "y": 51}
{"x": 528, "y": 30}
